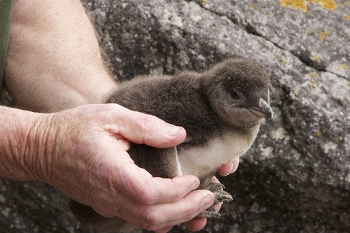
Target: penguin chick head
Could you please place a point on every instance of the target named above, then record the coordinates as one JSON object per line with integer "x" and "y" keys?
{"x": 237, "y": 90}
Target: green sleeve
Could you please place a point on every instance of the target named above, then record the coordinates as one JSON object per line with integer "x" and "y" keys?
{"x": 5, "y": 20}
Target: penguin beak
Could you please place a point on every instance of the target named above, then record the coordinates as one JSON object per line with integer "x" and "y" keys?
{"x": 263, "y": 111}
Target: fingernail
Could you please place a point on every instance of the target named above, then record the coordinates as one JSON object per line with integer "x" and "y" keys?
{"x": 232, "y": 166}
{"x": 195, "y": 184}
{"x": 191, "y": 181}
{"x": 174, "y": 130}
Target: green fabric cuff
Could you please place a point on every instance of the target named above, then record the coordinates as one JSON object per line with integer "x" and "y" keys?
{"x": 5, "y": 21}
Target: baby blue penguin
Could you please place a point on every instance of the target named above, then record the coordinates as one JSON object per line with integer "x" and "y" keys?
{"x": 221, "y": 110}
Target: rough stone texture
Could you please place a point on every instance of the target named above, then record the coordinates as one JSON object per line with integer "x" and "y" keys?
{"x": 296, "y": 177}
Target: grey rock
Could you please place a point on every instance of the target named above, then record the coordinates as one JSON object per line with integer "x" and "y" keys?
{"x": 296, "y": 176}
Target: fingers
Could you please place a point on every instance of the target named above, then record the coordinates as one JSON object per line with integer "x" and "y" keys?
{"x": 229, "y": 167}
{"x": 163, "y": 216}
{"x": 145, "y": 188}
{"x": 225, "y": 169}
{"x": 182, "y": 211}
{"x": 196, "y": 224}
{"x": 160, "y": 217}
{"x": 147, "y": 129}
{"x": 129, "y": 191}
{"x": 156, "y": 203}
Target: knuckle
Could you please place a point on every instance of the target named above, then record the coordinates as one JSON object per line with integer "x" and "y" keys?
{"x": 191, "y": 210}
{"x": 148, "y": 122}
{"x": 108, "y": 203}
{"x": 147, "y": 197}
{"x": 103, "y": 212}
{"x": 153, "y": 219}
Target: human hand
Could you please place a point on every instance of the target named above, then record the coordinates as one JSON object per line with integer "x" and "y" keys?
{"x": 85, "y": 156}
{"x": 229, "y": 167}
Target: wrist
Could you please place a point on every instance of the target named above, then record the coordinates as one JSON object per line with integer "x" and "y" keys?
{"x": 40, "y": 149}
{"x": 23, "y": 144}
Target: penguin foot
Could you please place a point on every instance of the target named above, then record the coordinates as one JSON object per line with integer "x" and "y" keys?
{"x": 209, "y": 213}
{"x": 219, "y": 194}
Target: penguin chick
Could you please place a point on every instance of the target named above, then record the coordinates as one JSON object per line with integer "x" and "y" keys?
{"x": 221, "y": 110}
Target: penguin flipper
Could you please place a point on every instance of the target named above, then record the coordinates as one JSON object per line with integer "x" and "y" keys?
{"x": 158, "y": 162}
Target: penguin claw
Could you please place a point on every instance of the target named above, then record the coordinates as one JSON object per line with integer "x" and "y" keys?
{"x": 219, "y": 194}
{"x": 209, "y": 214}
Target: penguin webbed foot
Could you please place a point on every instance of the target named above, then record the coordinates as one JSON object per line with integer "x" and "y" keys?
{"x": 219, "y": 196}
{"x": 209, "y": 213}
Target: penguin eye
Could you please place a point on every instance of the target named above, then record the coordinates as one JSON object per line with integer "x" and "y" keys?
{"x": 234, "y": 95}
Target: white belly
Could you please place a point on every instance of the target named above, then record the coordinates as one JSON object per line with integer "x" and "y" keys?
{"x": 205, "y": 159}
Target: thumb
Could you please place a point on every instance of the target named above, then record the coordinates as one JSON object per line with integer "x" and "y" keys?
{"x": 143, "y": 128}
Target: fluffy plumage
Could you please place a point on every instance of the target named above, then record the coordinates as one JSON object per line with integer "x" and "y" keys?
{"x": 221, "y": 110}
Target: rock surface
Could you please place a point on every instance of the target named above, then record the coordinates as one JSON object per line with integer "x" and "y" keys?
{"x": 296, "y": 176}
